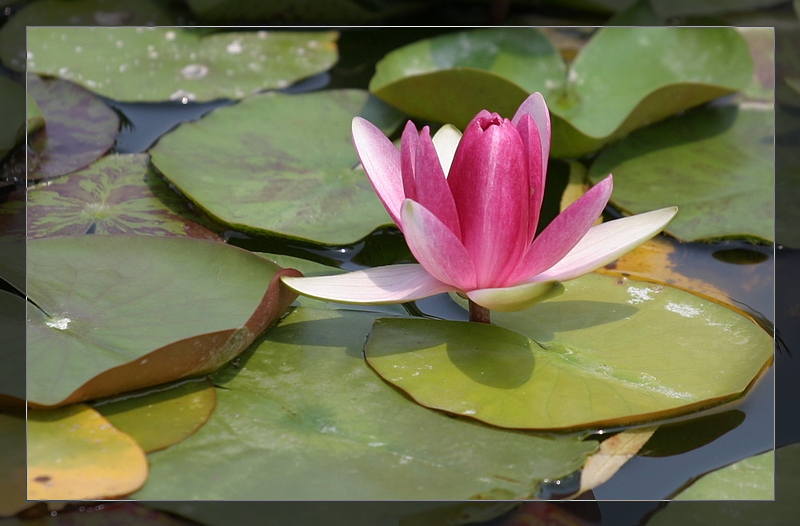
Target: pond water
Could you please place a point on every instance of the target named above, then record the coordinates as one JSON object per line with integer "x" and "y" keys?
{"x": 682, "y": 449}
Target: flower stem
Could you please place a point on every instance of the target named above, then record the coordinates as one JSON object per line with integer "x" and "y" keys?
{"x": 478, "y": 313}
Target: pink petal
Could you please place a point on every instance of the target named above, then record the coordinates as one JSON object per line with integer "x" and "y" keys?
{"x": 381, "y": 161}
{"x": 489, "y": 181}
{"x": 408, "y": 153}
{"x": 529, "y": 134}
{"x": 374, "y": 286}
{"x": 432, "y": 190}
{"x": 564, "y": 232}
{"x": 436, "y": 247}
{"x": 518, "y": 297}
{"x": 536, "y": 107}
{"x": 606, "y": 242}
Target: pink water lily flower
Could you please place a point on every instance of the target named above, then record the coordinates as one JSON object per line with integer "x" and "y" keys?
{"x": 469, "y": 206}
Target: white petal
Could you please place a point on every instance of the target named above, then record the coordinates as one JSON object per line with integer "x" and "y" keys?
{"x": 374, "y": 286}
{"x": 446, "y": 141}
{"x": 518, "y": 297}
{"x": 606, "y": 242}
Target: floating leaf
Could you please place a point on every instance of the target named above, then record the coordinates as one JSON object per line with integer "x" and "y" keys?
{"x": 159, "y": 418}
{"x": 716, "y": 164}
{"x": 12, "y": 464}
{"x": 118, "y": 194}
{"x": 282, "y": 163}
{"x": 303, "y": 417}
{"x": 610, "y": 352}
{"x": 154, "y": 64}
{"x": 76, "y": 454}
{"x": 74, "y": 13}
{"x": 624, "y": 78}
{"x": 749, "y": 479}
{"x": 780, "y": 512}
{"x": 118, "y": 313}
{"x": 79, "y": 128}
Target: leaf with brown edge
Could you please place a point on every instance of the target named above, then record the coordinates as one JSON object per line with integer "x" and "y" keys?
{"x": 76, "y": 454}
{"x": 120, "y": 313}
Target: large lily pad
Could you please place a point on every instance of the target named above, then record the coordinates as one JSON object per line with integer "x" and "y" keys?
{"x": 117, "y": 313}
{"x": 118, "y": 194}
{"x": 74, "y": 13}
{"x": 607, "y": 352}
{"x": 281, "y": 163}
{"x": 79, "y": 128}
{"x": 153, "y": 64}
{"x": 13, "y": 130}
{"x": 623, "y": 78}
{"x": 303, "y": 417}
{"x": 75, "y": 454}
{"x": 12, "y": 464}
{"x": 715, "y": 164}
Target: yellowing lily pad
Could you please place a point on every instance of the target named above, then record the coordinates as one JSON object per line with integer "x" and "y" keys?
{"x": 623, "y": 78}
{"x": 79, "y": 128}
{"x": 169, "y": 63}
{"x": 715, "y": 164}
{"x": 301, "y": 416}
{"x": 111, "y": 314}
{"x": 160, "y": 417}
{"x": 76, "y": 454}
{"x": 118, "y": 194}
{"x": 280, "y": 163}
{"x": 642, "y": 352}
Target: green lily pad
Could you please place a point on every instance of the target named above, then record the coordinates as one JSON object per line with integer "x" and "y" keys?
{"x": 280, "y": 163}
{"x": 74, "y": 13}
{"x": 623, "y": 78}
{"x": 116, "y": 313}
{"x": 154, "y": 64}
{"x": 749, "y": 479}
{"x": 159, "y": 418}
{"x": 782, "y": 511}
{"x": 607, "y": 352}
{"x": 118, "y": 194}
{"x": 79, "y": 128}
{"x": 75, "y": 454}
{"x": 303, "y": 417}
{"x": 715, "y": 164}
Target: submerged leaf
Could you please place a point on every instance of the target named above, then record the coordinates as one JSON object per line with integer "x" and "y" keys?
{"x": 79, "y": 128}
